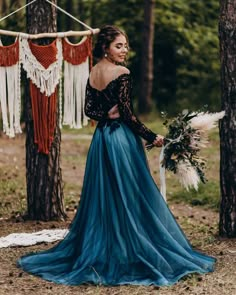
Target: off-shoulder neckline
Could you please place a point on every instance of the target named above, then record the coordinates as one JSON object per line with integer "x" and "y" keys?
{"x": 108, "y": 84}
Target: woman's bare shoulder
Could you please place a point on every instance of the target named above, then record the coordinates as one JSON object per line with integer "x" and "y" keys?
{"x": 93, "y": 69}
{"x": 123, "y": 70}
{"x": 120, "y": 71}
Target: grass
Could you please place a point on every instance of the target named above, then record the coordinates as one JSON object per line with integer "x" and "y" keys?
{"x": 72, "y": 195}
{"x": 73, "y": 157}
{"x": 208, "y": 194}
{"x": 199, "y": 225}
{"x": 89, "y": 129}
{"x": 12, "y": 187}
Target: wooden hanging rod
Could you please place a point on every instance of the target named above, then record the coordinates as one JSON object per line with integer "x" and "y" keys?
{"x": 51, "y": 35}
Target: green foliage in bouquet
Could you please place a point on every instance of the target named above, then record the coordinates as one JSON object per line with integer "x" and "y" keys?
{"x": 182, "y": 144}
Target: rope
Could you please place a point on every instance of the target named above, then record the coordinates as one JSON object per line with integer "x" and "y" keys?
{"x": 53, "y": 4}
{"x": 1, "y": 19}
{"x": 70, "y": 15}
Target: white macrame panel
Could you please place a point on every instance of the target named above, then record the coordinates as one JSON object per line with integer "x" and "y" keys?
{"x": 17, "y": 106}
{"x": 45, "y": 79}
{"x": 13, "y": 99}
{"x": 84, "y": 80}
{"x": 75, "y": 80}
{"x": 3, "y": 100}
{"x": 10, "y": 99}
{"x": 28, "y": 239}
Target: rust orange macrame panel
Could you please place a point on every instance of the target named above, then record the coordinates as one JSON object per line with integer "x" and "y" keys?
{"x": 9, "y": 55}
{"x": 44, "y": 117}
{"x": 45, "y": 54}
{"x": 76, "y": 54}
{"x": 43, "y": 107}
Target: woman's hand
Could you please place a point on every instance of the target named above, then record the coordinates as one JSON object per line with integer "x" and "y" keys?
{"x": 114, "y": 112}
{"x": 159, "y": 140}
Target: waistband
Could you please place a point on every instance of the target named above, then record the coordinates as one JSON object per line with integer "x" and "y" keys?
{"x": 113, "y": 123}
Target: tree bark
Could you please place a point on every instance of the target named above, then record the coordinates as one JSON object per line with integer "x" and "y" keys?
{"x": 146, "y": 75}
{"x": 227, "y": 35}
{"x": 15, "y": 3}
{"x": 43, "y": 172}
{"x": 3, "y": 6}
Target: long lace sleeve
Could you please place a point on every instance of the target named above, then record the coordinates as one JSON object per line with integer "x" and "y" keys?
{"x": 126, "y": 110}
{"x": 93, "y": 107}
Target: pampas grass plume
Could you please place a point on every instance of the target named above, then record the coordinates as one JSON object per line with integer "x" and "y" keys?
{"x": 187, "y": 175}
{"x": 206, "y": 121}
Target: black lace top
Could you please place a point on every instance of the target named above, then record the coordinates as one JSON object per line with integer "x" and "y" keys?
{"x": 118, "y": 91}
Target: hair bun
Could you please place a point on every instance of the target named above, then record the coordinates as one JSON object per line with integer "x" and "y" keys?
{"x": 106, "y": 36}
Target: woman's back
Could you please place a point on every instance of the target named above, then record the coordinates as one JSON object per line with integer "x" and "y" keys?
{"x": 103, "y": 73}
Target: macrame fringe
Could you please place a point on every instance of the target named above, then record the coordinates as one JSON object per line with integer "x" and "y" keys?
{"x": 75, "y": 78}
{"x": 43, "y": 66}
{"x": 10, "y": 98}
{"x": 76, "y": 73}
{"x": 76, "y": 54}
{"x": 44, "y": 117}
{"x": 43, "y": 74}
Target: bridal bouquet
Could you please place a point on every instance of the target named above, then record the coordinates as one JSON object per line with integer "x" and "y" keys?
{"x": 187, "y": 134}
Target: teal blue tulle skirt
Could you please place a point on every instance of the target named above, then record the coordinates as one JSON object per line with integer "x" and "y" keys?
{"x": 123, "y": 232}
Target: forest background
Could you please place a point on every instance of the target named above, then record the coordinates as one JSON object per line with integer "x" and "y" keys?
{"x": 186, "y": 46}
{"x": 186, "y": 75}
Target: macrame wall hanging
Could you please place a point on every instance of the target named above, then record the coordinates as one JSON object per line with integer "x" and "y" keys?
{"x": 10, "y": 98}
{"x": 43, "y": 67}
{"x": 76, "y": 73}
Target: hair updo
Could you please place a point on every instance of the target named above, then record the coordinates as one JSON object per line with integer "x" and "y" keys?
{"x": 105, "y": 37}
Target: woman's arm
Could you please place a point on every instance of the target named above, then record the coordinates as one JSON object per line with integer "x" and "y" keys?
{"x": 126, "y": 111}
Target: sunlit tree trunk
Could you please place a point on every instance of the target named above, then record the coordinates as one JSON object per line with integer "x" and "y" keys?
{"x": 15, "y": 3}
{"x": 146, "y": 75}
{"x": 3, "y": 6}
{"x": 43, "y": 172}
{"x": 227, "y": 34}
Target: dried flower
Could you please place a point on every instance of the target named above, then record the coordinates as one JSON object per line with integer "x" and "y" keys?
{"x": 187, "y": 134}
{"x": 187, "y": 175}
{"x": 206, "y": 121}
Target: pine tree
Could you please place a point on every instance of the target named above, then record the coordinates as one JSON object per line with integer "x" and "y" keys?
{"x": 43, "y": 172}
{"x": 227, "y": 226}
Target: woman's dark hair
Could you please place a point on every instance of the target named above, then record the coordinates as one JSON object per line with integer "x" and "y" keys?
{"x": 105, "y": 37}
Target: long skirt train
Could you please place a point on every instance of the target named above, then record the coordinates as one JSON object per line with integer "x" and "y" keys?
{"x": 123, "y": 232}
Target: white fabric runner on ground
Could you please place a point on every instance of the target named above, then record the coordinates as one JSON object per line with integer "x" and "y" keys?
{"x": 28, "y": 239}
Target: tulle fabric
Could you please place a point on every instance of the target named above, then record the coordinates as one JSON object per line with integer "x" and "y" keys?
{"x": 123, "y": 232}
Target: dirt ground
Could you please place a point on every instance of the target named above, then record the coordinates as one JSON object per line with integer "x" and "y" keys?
{"x": 199, "y": 224}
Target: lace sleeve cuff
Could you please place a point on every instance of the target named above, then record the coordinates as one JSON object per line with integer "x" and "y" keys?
{"x": 126, "y": 110}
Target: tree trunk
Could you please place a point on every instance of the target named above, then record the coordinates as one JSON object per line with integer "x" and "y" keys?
{"x": 15, "y": 3}
{"x": 227, "y": 35}
{"x": 3, "y": 6}
{"x": 43, "y": 172}
{"x": 69, "y": 21}
{"x": 146, "y": 75}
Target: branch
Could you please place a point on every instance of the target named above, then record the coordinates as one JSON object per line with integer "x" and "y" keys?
{"x": 51, "y": 35}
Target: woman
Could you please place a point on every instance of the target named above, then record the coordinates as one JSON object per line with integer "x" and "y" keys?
{"x": 123, "y": 232}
